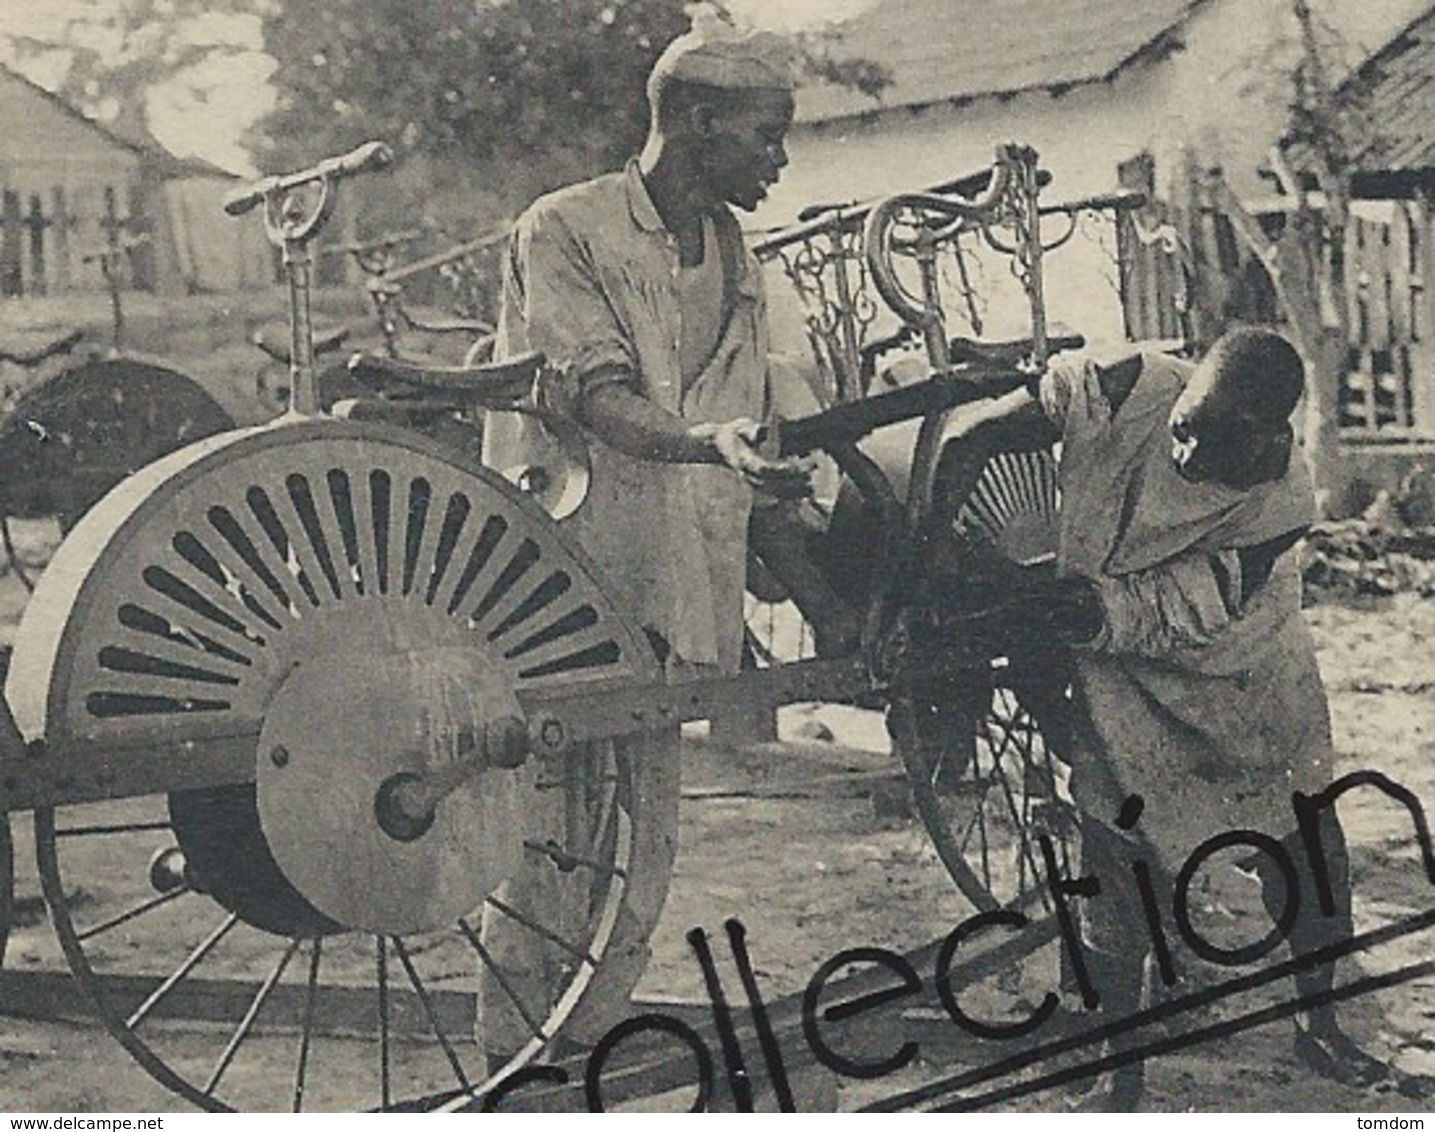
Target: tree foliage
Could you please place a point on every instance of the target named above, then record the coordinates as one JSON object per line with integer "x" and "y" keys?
{"x": 475, "y": 82}
{"x": 106, "y": 57}
{"x": 508, "y": 97}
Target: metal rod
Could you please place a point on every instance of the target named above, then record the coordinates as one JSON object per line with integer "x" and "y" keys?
{"x": 311, "y": 998}
{"x": 534, "y": 1026}
{"x": 126, "y": 827}
{"x": 427, "y": 1004}
{"x": 547, "y": 933}
{"x": 304, "y": 396}
{"x": 566, "y": 860}
{"x": 206, "y": 945}
{"x": 250, "y": 1017}
{"x": 124, "y": 917}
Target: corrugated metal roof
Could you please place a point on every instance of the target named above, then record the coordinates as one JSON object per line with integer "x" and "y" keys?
{"x": 1397, "y": 88}
{"x": 944, "y": 50}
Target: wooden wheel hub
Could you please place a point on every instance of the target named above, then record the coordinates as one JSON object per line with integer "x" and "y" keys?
{"x": 378, "y": 802}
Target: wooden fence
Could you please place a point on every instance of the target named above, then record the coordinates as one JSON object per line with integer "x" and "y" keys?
{"x": 45, "y": 237}
{"x": 1388, "y": 391}
{"x": 1186, "y": 273}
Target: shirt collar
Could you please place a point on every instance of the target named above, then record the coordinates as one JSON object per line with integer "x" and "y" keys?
{"x": 645, "y": 216}
{"x": 640, "y": 204}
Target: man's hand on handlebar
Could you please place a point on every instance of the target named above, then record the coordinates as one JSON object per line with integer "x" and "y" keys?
{"x": 739, "y": 443}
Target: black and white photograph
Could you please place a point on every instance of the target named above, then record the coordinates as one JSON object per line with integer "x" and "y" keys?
{"x": 796, "y": 556}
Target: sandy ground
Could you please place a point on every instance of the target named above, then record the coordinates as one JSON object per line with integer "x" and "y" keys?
{"x": 808, "y": 844}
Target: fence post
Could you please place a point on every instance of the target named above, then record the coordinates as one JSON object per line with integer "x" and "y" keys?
{"x": 12, "y": 273}
{"x": 60, "y": 247}
{"x": 35, "y": 224}
{"x": 1422, "y": 314}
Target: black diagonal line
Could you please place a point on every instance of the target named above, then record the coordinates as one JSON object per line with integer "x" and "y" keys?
{"x": 1170, "y": 1009}
{"x": 1175, "y": 1043}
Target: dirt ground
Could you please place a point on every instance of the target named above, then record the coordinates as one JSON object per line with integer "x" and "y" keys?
{"x": 809, "y": 843}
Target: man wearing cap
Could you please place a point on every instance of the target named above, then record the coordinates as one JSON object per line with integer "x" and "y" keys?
{"x": 1199, "y": 706}
{"x": 639, "y": 290}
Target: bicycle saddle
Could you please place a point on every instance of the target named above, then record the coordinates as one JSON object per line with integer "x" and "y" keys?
{"x": 494, "y": 384}
{"x": 325, "y": 342}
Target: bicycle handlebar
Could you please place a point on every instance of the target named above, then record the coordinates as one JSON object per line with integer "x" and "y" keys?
{"x": 448, "y": 255}
{"x": 952, "y": 210}
{"x": 372, "y": 157}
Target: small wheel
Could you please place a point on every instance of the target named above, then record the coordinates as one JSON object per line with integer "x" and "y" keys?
{"x": 233, "y": 1016}
{"x": 346, "y": 602}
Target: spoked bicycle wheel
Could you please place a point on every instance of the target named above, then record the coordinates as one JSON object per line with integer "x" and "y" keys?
{"x": 983, "y": 747}
{"x": 988, "y": 783}
{"x": 347, "y": 611}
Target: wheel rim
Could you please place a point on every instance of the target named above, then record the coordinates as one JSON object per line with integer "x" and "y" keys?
{"x": 985, "y": 804}
{"x": 263, "y": 590}
{"x": 7, "y": 883}
{"x": 417, "y": 1048}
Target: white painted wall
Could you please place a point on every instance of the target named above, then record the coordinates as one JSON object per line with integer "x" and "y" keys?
{"x": 1224, "y": 96}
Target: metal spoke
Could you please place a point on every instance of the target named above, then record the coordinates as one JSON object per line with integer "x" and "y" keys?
{"x": 534, "y": 1026}
{"x": 573, "y": 949}
{"x": 191, "y": 961}
{"x": 250, "y": 1017}
{"x": 311, "y": 998}
{"x": 1024, "y": 854}
{"x": 431, "y": 1015}
{"x": 123, "y": 827}
{"x": 567, "y": 861}
{"x": 138, "y": 910}
{"x": 381, "y": 961}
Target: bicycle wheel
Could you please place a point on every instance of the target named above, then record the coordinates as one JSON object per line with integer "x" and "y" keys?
{"x": 983, "y": 747}
{"x": 336, "y": 602}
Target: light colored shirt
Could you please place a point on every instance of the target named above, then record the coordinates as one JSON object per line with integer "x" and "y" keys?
{"x": 700, "y": 298}
{"x": 1207, "y": 704}
{"x": 592, "y": 279}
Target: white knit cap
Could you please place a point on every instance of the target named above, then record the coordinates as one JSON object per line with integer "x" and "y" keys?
{"x": 718, "y": 53}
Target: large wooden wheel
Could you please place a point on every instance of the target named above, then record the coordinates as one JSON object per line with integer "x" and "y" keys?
{"x": 270, "y": 641}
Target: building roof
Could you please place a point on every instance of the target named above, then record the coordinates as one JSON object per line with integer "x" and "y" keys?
{"x": 137, "y": 140}
{"x": 1396, "y": 86}
{"x": 958, "y": 50}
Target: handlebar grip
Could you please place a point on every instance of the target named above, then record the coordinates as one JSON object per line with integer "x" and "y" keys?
{"x": 371, "y": 157}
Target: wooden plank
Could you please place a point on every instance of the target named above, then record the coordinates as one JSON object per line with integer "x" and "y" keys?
{"x": 56, "y": 995}
{"x": 1398, "y": 269}
{"x": 1376, "y": 266}
{"x": 1354, "y": 293}
{"x": 1423, "y": 353}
